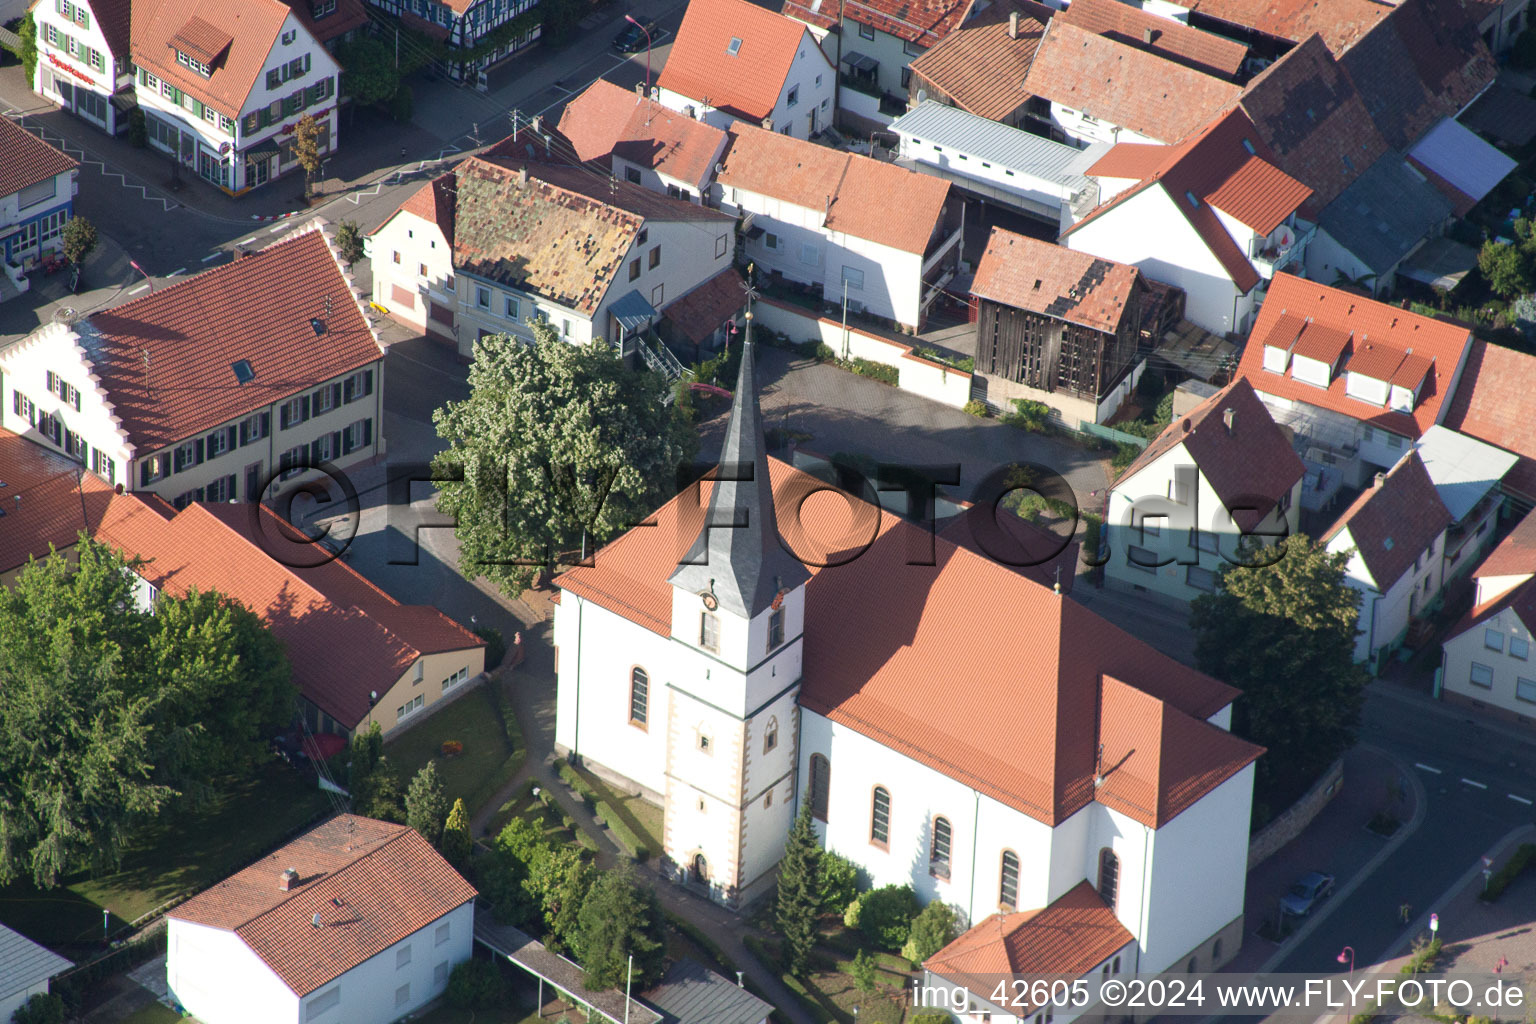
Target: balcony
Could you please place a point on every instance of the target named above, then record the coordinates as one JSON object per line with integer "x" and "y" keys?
{"x": 1268, "y": 258}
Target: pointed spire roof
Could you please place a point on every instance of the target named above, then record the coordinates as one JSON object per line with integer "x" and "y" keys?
{"x": 738, "y": 555}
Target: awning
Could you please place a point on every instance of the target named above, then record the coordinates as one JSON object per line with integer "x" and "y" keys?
{"x": 1460, "y": 156}
{"x": 633, "y": 312}
{"x": 860, "y": 63}
{"x": 124, "y": 101}
{"x": 266, "y": 147}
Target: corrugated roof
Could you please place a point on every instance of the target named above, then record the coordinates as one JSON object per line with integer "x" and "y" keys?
{"x": 1393, "y": 523}
{"x": 1123, "y": 85}
{"x": 1463, "y": 468}
{"x": 23, "y": 963}
{"x": 1388, "y": 211}
{"x": 1203, "y": 51}
{"x": 690, "y": 993}
{"x": 860, "y": 196}
{"x": 26, "y": 159}
{"x": 935, "y": 123}
{"x": 746, "y": 82}
{"x": 979, "y": 66}
{"x": 371, "y": 883}
{"x": 1461, "y": 157}
{"x": 1055, "y": 281}
{"x": 1324, "y": 309}
{"x": 1496, "y": 402}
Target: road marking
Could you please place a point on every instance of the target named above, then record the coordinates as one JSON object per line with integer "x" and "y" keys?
{"x": 178, "y": 270}
{"x": 1519, "y": 799}
{"x": 213, "y": 255}
{"x": 138, "y": 289}
{"x": 1421, "y": 764}
{"x": 281, "y": 225}
{"x": 1473, "y": 782}
{"x": 247, "y": 241}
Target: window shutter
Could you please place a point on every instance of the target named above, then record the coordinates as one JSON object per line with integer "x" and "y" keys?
{"x": 367, "y": 431}
{"x": 74, "y": 393}
{"x": 282, "y": 416}
{"x": 176, "y": 460}
{"x": 197, "y": 452}
{"x": 336, "y": 395}
{"x": 231, "y": 435}
{"x": 266, "y": 424}
{"x": 335, "y": 443}
{"x": 53, "y": 386}
{"x": 144, "y": 473}
{"x": 303, "y": 408}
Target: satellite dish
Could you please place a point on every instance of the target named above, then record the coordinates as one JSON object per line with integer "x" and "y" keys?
{"x": 1284, "y": 239}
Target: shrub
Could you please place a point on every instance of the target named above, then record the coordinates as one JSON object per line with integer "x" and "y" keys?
{"x": 885, "y": 915}
{"x": 852, "y": 912}
{"x": 576, "y": 782}
{"x": 839, "y": 882}
{"x": 1512, "y": 869}
{"x": 475, "y": 985}
{"x": 40, "y": 1009}
{"x": 932, "y": 1018}
{"x": 976, "y": 407}
{"x": 1125, "y": 454}
{"x": 1163, "y": 415}
{"x": 452, "y": 748}
{"x": 875, "y": 371}
{"x": 138, "y": 128}
{"x": 349, "y": 242}
{"x": 1028, "y": 415}
{"x": 622, "y": 833}
{"x": 863, "y": 971}
{"x": 932, "y": 930}
{"x": 495, "y": 646}
{"x": 824, "y": 352}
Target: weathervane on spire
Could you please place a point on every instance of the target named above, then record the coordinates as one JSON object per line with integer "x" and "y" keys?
{"x": 751, "y": 294}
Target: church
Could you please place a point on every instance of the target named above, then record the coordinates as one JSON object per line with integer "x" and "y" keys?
{"x": 766, "y": 640}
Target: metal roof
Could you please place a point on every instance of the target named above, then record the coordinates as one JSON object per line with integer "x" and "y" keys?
{"x": 633, "y": 312}
{"x": 1462, "y": 468}
{"x": 690, "y": 993}
{"x": 23, "y": 963}
{"x": 1386, "y": 212}
{"x": 997, "y": 143}
{"x": 1461, "y": 157}
{"x": 566, "y": 975}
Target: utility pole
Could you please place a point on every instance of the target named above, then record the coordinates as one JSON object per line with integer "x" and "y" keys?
{"x": 845, "y": 316}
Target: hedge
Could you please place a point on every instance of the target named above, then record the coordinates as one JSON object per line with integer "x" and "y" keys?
{"x": 621, "y": 831}
{"x": 1512, "y": 869}
{"x": 571, "y": 778}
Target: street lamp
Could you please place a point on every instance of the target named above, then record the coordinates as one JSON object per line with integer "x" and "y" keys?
{"x": 630, "y": 18}
{"x": 1347, "y": 955}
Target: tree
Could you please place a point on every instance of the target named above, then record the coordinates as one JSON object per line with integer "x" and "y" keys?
{"x": 620, "y": 917}
{"x": 863, "y": 971}
{"x": 558, "y": 881}
{"x": 456, "y": 843}
{"x": 885, "y": 915}
{"x": 800, "y": 892}
{"x": 475, "y": 985}
{"x": 932, "y": 930}
{"x": 381, "y": 795}
{"x": 502, "y": 874}
{"x": 425, "y": 804}
{"x": 109, "y": 715}
{"x": 79, "y": 239}
{"x": 368, "y": 72}
{"x": 27, "y": 33}
{"x": 556, "y": 442}
{"x": 306, "y": 149}
{"x": 1284, "y": 634}
{"x": 349, "y": 242}
{"x": 839, "y": 882}
{"x": 42, "y": 1008}
{"x": 1505, "y": 267}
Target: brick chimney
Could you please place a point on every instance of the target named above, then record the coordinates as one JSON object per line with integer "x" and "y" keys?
{"x": 1013, "y": 25}
{"x": 287, "y": 880}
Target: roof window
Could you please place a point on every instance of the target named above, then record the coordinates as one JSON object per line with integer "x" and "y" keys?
{"x": 1191, "y": 197}
{"x": 1248, "y": 145}
{"x": 243, "y": 372}
{"x": 734, "y": 47}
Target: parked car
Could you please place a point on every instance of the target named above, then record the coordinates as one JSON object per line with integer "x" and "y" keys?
{"x": 1308, "y": 891}
{"x": 632, "y": 38}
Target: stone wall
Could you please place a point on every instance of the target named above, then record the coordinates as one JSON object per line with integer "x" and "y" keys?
{"x": 1290, "y": 824}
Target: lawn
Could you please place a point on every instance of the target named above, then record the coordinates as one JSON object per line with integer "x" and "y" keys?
{"x": 180, "y": 854}
{"x": 154, "y": 1013}
{"x": 642, "y": 817}
{"x": 525, "y": 805}
{"x": 829, "y": 993}
{"x": 492, "y": 751}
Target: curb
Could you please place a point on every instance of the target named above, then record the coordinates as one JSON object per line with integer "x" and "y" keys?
{"x": 1421, "y": 923}
{"x": 263, "y": 218}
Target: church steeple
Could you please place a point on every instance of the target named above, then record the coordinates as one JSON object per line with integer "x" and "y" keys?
{"x": 737, "y": 555}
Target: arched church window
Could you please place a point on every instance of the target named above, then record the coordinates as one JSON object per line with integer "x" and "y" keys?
{"x": 938, "y": 849}
{"x": 820, "y": 787}
{"x": 1109, "y": 876}
{"x": 639, "y": 696}
{"x": 880, "y": 817}
{"x": 1008, "y": 891}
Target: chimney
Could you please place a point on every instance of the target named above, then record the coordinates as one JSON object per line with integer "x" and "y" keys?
{"x": 537, "y": 123}
{"x": 1229, "y": 417}
{"x": 1148, "y": 35}
{"x": 522, "y": 176}
{"x": 1013, "y": 25}
{"x": 768, "y": 124}
{"x": 315, "y": 920}
{"x": 1381, "y": 478}
{"x": 287, "y": 880}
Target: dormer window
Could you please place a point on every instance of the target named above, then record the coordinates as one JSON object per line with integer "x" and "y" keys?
{"x": 733, "y": 47}
{"x": 320, "y": 8}
{"x": 187, "y": 60}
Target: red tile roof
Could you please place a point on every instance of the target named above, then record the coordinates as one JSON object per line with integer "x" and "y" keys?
{"x": 1055, "y": 281}
{"x": 924, "y": 22}
{"x": 42, "y": 500}
{"x": 1307, "y": 110}
{"x": 1135, "y": 160}
{"x": 747, "y": 84}
{"x": 1515, "y": 555}
{"x": 876, "y": 201}
{"x": 201, "y": 40}
{"x": 372, "y": 884}
{"x": 113, "y": 18}
{"x": 880, "y": 628}
{"x": 1342, "y": 23}
{"x": 1312, "y": 340}
{"x": 1250, "y": 467}
{"x": 348, "y": 15}
{"x": 1203, "y": 51}
{"x": 1379, "y": 362}
{"x": 1030, "y": 549}
{"x": 606, "y": 119}
{"x": 698, "y": 314}
{"x": 1124, "y": 85}
{"x": 1294, "y": 302}
{"x": 1259, "y": 195}
{"x": 195, "y": 329}
{"x": 1394, "y": 522}
{"x": 823, "y": 14}
{"x": 244, "y": 33}
{"x": 345, "y": 637}
{"x": 432, "y": 202}
{"x": 26, "y": 159}
{"x": 1070, "y": 937}
{"x": 1496, "y": 402}
{"x": 1204, "y": 165}
{"x": 979, "y": 66}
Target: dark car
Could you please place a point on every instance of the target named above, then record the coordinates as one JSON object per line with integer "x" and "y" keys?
{"x": 632, "y": 38}
{"x": 1308, "y": 891}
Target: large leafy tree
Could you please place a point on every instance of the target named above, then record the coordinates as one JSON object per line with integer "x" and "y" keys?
{"x": 800, "y": 892}
{"x": 618, "y": 918}
{"x": 110, "y": 715}
{"x": 1284, "y": 634}
{"x": 556, "y": 443}
{"x": 368, "y": 72}
{"x": 558, "y": 880}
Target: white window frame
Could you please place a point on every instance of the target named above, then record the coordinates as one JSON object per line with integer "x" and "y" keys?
{"x": 1472, "y": 675}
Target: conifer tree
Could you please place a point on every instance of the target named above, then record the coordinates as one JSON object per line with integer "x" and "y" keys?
{"x": 456, "y": 842}
{"x": 799, "y": 896}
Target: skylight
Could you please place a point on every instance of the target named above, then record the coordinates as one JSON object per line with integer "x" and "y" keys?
{"x": 734, "y": 47}
{"x": 1248, "y": 145}
{"x": 1191, "y": 197}
{"x": 243, "y": 372}
{"x": 317, "y": 325}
